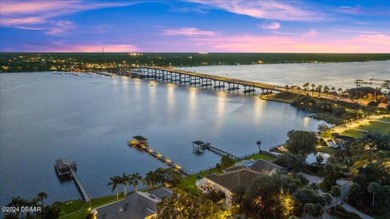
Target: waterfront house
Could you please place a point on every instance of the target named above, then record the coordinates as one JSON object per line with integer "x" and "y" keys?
{"x": 138, "y": 205}
{"x": 229, "y": 181}
{"x": 267, "y": 168}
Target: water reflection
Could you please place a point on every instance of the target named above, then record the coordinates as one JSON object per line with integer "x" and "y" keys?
{"x": 171, "y": 102}
{"x": 258, "y": 104}
{"x": 220, "y": 109}
{"x": 192, "y": 103}
{"x": 152, "y": 95}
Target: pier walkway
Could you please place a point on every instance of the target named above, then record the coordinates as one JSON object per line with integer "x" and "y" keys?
{"x": 79, "y": 186}
{"x": 166, "y": 160}
{"x": 200, "y": 146}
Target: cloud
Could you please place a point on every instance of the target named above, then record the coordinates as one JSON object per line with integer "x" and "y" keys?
{"x": 188, "y": 31}
{"x": 268, "y": 9}
{"x": 311, "y": 33}
{"x": 16, "y": 14}
{"x": 271, "y": 25}
{"x": 61, "y": 27}
{"x": 67, "y": 47}
{"x": 295, "y": 43}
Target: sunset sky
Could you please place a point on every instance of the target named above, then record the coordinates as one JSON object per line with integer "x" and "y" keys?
{"x": 347, "y": 26}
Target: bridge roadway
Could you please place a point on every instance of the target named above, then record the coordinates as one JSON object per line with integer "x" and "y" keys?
{"x": 220, "y": 78}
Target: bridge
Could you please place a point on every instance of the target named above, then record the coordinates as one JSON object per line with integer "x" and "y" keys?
{"x": 203, "y": 80}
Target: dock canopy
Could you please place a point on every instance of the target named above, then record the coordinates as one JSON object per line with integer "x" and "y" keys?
{"x": 198, "y": 142}
{"x": 138, "y": 141}
{"x": 139, "y": 138}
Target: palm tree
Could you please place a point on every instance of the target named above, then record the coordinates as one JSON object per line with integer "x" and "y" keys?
{"x": 326, "y": 91}
{"x": 312, "y": 89}
{"x": 334, "y": 91}
{"x": 124, "y": 180}
{"x": 150, "y": 179}
{"x": 258, "y": 144}
{"x": 17, "y": 202}
{"x": 114, "y": 181}
{"x": 299, "y": 89}
{"x": 319, "y": 89}
{"x": 374, "y": 188}
{"x": 42, "y": 196}
{"x": 134, "y": 179}
{"x": 305, "y": 86}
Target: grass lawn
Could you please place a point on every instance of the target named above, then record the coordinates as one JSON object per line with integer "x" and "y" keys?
{"x": 380, "y": 127}
{"x": 260, "y": 156}
{"x": 189, "y": 181}
{"x": 353, "y": 133}
{"x": 325, "y": 149}
{"x": 79, "y": 209}
{"x": 386, "y": 119}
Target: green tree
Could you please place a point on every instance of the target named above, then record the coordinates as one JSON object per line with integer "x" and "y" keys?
{"x": 185, "y": 205}
{"x": 301, "y": 142}
{"x": 114, "y": 181}
{"x": 314, "y": 210}
{"x": 124, "y": 181}
{"x": 226, "y": 161}
{"x": 42, "y": 196}
{"x": 267, "y": 197}
{"x": 374, "y": 188}
{"x": 335, "y": 191}
{"x": 135, "y": 179}
{"x": 259, "y": 144}
{"x": 150, "y": 179}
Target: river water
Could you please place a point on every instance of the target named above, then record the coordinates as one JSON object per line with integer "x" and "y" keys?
{"x": 89, "y": 119}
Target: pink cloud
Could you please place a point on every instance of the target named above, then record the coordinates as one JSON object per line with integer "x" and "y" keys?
{"x": 188, "y": 31}
{"x": 273, "y": 10}
{"x": 37, "y": 12}
{"x": 307, "y": 44}
{"x": 61, "y": 47}
{"x": 21, "y": 21}
{"x": 271, "y": 25}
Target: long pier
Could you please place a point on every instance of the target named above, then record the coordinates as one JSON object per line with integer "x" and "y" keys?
{"x": 200, "y": 146}
{"x": 79, "y": 185}
{"x": 203, "y": 80}
{"x": 165, "y": 160}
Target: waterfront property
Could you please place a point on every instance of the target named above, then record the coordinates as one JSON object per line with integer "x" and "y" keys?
{"x": 239, "y": 175}
{"x": 138, "y": 205}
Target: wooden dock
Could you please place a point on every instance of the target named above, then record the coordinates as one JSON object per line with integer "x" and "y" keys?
{"x": 200, "y": 146}
{"x": 162, "y": 158}
{"x": 79, "y": 186}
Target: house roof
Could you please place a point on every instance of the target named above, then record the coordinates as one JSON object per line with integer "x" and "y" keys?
{"x": 140, "y": 138}
{"x": 198, "y": 142}
{"x": 233, "y": 168}
{"x": 137, "y": 205}
{"x": 234, "y": 179}
{"x": 161, "y": 192}
{"x": 265, "y": 167}
{"x": 63, "y": 163}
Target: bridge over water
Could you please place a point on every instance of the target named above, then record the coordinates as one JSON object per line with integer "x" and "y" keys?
{"x": 203, "y": 80}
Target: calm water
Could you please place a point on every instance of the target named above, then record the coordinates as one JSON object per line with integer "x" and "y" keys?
{"x": 331, "y": 74}
{"x": 46, "y": 116}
